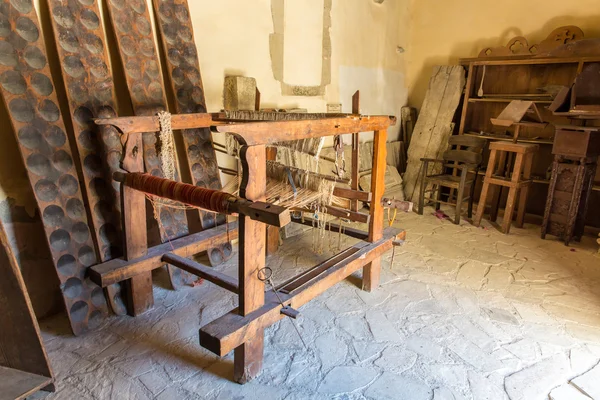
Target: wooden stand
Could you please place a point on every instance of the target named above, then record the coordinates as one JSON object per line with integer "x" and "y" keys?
{"x": 242, "y": 329}
{"x": 516, "y": 183}
{"x": 576, "y": 151}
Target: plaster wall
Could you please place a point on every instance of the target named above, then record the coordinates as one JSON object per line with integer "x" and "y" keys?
{"x": 441, "y": 32}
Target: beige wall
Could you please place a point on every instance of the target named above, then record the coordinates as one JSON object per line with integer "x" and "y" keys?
{"x": 441, "y": 32}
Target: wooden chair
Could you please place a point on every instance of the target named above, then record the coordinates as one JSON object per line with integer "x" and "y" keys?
{"x": 464, "y": 154}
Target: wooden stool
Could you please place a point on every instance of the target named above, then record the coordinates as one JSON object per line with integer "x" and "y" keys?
{"x": 515, "y": 182}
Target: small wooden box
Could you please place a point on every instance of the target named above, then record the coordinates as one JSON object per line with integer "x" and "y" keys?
{"x": 576, "y": 141}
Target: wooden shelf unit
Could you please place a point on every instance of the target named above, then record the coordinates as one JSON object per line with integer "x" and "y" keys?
{"x": 504, "y": 76}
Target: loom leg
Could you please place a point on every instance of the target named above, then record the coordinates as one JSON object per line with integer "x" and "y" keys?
{"x": 372, "y": 270}
{"x": 248, "y": 360}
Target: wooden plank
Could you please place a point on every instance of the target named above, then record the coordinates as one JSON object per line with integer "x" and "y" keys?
{"x": 210, "y": 274}
{"x": 119, "y": 269}
{"x": 372, "y": 270}
{"x": 249, "y": 354}
{"x": 143, "y": 75}
{"x": 354, "y": 194}
{"x": 227, "y": 332}
{"x": 21, "y": 345}
{"x": 15, "y": 384}
{"x": 271, "y": 132}
{"x": 183, "y": 70}
{"x": 434, "y": 126}
{"x": 354, "y": 173}
{"x": 46, "y": 151}
{"x": 272, "y": 231}
{"x": 91, "y": 95}
{"x": 346, "y": 230}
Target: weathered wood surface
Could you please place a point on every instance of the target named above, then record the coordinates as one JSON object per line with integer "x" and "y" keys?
{"x": 139, "y": 58}
{"x": 31, "y": 100}
{"x": 21, "y": 346}
{"x": 119, "y": 269}
{"x": 434, "y": 126}
{"x": 183, "y": 69}
{"x": 210, "y": 274}
{"x": 17, "y": 385}
{"x": 90, "y": 93}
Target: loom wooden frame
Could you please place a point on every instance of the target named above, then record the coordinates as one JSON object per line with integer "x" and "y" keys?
{"x": 242, "y": 329}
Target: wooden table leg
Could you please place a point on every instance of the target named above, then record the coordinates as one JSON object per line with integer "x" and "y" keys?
{"x": 372, "y": 270}
{"x": 139, "y": 288}
{"x": 248, "y": 357}
{"x": 512, "y": 194}
{"x": 524, "y": 191}
{"x": 497, "y": 190}
{"x": 485, "y": 188}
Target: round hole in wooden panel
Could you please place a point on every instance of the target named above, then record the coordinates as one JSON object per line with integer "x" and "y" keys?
{"x": 42, "y": 84}
{"x": 184, "y": 96}
{"x": 75, "y": 209}
{"x": 165, "y": 11}
{"x": 23, "y": 6}
{"x": 93, "y": 44}
{"x": 72, "y": 288}
{"x": 138, "y": 92}
{"x": 86, "y": 256}
{"x": 67, "y": 265}
{"x": 89, "y": 19}
{"x": 68, "y": 41}
{"x": 174, "y": 56}
{"x": 128, "y": 46}
{"x": 143, "y": 25}
{"x": 146, "y": 46}
{"x": 97, "y": 296}
{"x": 108, "y": 233}
{"x": 53, "y": 216}
{"x": 8, "y": 55}
{"x": 60, "y": 240}
{"x": 139, "y": 6}
{"x": 99, "y": 188}
{"x": 73, "y": 66}
{"x": 95, "y": 320}
{"x": 79, "y": 92}
{"x": 152, "y": 69}
{"x": 113, "y": 158}
{"x": 63, "y": 16}
{"x": 80, "y": 232}
{"x": 169, "y": 32}
{"x": 27, "y": 29}
{"x": 103, "y": 211}
{"x": 185, "y": 34}
{"x": 192, "y": 74}
{"x": 197, "y": 171}
{"x": 38, "y": 165}
{"x": 87, "y": 140}
{"x": 5, "y": 28}
{"x": 103, "y": 92}
{"x": 13, "y": 82}
{"x": 30, "y": 137}
{"x": 194, "y": 153}
{"x": 227, "y": 249}
{"x": 55, "y": 136}
{"x": 133, "y": 68}
{"x": 68, "y": 185}
{"x": 46, "y": 190}
{"x": 34, "y": 57}
{"x": 99, "y": 68}
{"x": 93, "y": 164}
{"x": 216, "y": 257}
{"x": 21, "y": 110}
{"x": 123, "y": 21}
{"x": 79, "y": 311}
{"x": 155, "y": 91}
{"x": 62, "y": 161}
{"x": 49, "y": 110}
{"x": 178, "y": 76}
{"x": 83, "y": 116}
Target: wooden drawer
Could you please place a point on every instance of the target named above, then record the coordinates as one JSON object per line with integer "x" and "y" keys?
{"x": 576, "y": 142}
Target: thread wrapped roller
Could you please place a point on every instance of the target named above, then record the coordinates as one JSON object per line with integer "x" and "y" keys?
{"x": 206, "y": 199}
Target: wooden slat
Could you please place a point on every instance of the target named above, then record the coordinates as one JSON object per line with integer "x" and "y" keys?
{"x": 183, "y": 70}
{"x": 210, "y": 274}
{"x": 91, "y": 95}
{"x": 17, "y": 385}
{"x": 229, "y": 331}
{"x": 21, "y": 345}
{"x": 140, "y": 61}
{"x": 352, "y": 194}
{"x": 354, "y": 173}
{"x": 46, "y": 151}
{"x": 346, "y": 230}
{"x": 119, "y": 269}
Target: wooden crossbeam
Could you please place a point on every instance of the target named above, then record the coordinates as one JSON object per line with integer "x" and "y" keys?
{"x": 232, "y": 329}
{"x": 346, "y": 230}
{"x": 119, "y": 269}
{"x": 202, "y": 271}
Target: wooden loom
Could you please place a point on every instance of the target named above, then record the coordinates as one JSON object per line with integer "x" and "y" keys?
{"x": 242, "y": 329}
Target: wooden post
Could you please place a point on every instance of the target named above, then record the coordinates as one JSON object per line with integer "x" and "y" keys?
{"x": 371, "y": 271}
{"x": 355, "y": 152}
{"x": 272, "y": 231}
{"x": 248, "y": 357}
{"x": 138, "y": 288}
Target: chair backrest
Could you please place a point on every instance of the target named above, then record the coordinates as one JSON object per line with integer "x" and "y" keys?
{"x": 464, "y": 150}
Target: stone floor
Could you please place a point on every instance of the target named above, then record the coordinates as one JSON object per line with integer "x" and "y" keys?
{"x": 462, "y": 313}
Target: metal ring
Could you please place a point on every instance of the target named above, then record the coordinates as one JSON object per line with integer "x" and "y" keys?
{"x": 264, "y": 274}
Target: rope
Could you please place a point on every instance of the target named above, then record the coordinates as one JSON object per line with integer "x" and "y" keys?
{"x": 167, "y": 145}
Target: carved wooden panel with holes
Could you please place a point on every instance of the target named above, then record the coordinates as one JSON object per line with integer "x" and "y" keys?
{"x": 29, "y": 94}
{"x": 90, "y": 92}
{"x": 134, "y": 33}
{"x": 186, "y": 83}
